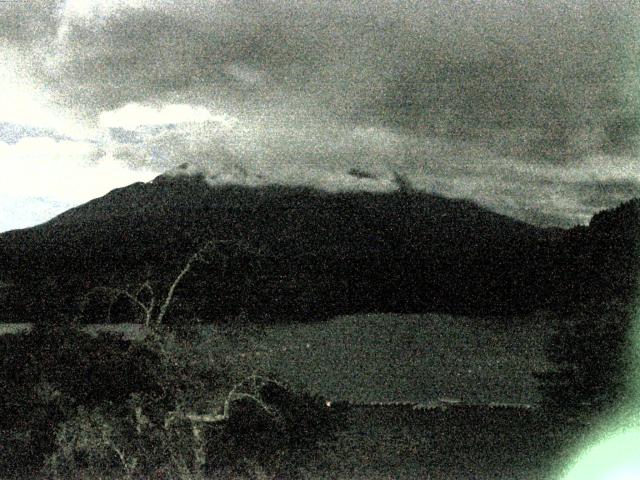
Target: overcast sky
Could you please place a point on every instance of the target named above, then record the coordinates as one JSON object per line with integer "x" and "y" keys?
{"x": 531, "y": 108}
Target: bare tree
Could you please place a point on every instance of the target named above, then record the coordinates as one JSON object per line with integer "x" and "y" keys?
{"x": 249, "y": 388}
{"x": 152, "y": 308}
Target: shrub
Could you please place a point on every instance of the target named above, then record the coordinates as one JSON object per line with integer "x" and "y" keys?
{"x": 111, "y": 440}
{"x": 273, "y": 441}
{"x": 590, "y": 353}
{"x": 275, "y": 433}
{"x": 46, "y": 374}
{"x": 189, "y": 414}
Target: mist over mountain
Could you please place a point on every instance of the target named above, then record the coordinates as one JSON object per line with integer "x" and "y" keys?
{"x": 299, "y": 253}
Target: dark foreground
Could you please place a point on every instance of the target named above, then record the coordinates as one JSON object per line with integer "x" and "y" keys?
{"x": 457, "y": 443}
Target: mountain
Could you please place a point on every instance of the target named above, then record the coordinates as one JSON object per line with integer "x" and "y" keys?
{"x": 303, "y": 253}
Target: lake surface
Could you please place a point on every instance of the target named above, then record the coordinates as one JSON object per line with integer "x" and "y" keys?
{"x": 384, "y": 358}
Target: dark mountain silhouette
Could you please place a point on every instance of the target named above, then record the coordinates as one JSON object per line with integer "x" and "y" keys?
{"x": 311, "y": 254}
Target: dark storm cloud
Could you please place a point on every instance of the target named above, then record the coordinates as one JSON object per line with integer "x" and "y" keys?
{"x": 493, "y": 70}
{"x": 138, "y": 54}
{"x": 606, "y": 194}
{"x": 464, "y": 97}
{"x": 26, "y": 22}
{"x": 551, "y": 84}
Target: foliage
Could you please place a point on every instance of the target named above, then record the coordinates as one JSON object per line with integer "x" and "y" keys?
{"x": 246, "y": 420}
{"x": 122, "y": 442}
{"x": 47, "y": 373}
{"x": 133, "y": 436}
{"x": 93, "y": 440}
{"x": 175, "y": 402}
{"x": 589, "y": 352}
{"x": 269, "y": 436}
{"x": 258, "y": 425}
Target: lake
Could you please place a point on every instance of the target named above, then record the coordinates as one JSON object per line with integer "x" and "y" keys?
{"x": 388, "y": 357}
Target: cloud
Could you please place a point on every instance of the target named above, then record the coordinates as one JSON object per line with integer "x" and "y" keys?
{"x": 535, "y": 192}
{"x": 134, "y": 115}
{"x": 606, "y": 194}
{"x": 66, "y": 171}
{"x": 43, "y": 176}
{"x": 509, "y": 103}
{"x": 466, "y": 70}
{"x": 227, "y": 149}
{"x": 551, "y": 195}
{"x": 12, "y": 133}
{"x": 28, "y": 23}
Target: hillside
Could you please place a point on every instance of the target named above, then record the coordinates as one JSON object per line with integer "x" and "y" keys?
{"x": 320, "y": 254}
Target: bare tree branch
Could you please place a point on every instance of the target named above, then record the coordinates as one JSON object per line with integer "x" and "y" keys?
{"x": 167, "y": 301}
{"x": 148, "y": 309}
{"x": 115, "y": 293}
{"x": 257, "y": 381}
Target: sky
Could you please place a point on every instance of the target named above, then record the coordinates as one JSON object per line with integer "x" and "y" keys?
{"x": 531, "y": 108}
